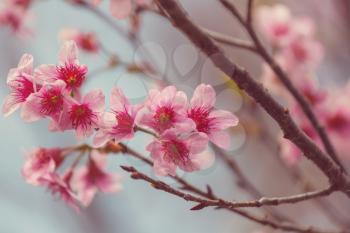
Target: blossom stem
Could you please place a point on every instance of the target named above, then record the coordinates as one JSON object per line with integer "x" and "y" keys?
{"x": 138, "y": 128}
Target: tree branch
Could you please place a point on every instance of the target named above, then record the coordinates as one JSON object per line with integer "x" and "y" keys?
{"x": 218, "y": 203}
{"x": 257, "y": 91}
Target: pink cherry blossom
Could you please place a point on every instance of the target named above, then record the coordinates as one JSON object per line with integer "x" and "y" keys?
{"x": 68, "y": 69}
{"x": 177, "y": 148}
{"x": 165, "y": 109}
{"x": 208, "y": 120}
{"x": 93, "y": 178}
{"x": 84, "y": 115}
{"x": 21, "y": 84}
{"x": 275, "y": 23}
{"x": 122, "y": 8}
{"x": 41, "y": 162}
{"x": 303, "y": 52}
{"x": 20, "y": 3}
{"x": 59, "y": 187}
{"x": 118, "y": 124}
{"x": 14, "y": 18}
{"x": 49, "y": 101}
{"x": 86, "y": 41}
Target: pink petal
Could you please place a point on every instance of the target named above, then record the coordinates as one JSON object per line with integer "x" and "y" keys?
{"x": 223, "y": 119}
{"x": 197, "y": 143}
{"x": 46, "y": 73}
{"x": 203, "y": 97}
{"x": 220, "y": 138}
{"x": 95, "y": 99}
{"x": 26, "y": 64}
{"x": 68, "y": 53}
{"x": 120, "y": 8}
{"x": 10, "y": 105}
{"x": 203, "y": 160}
{"x": 31, "y": 109}
{"x": 118, "y": 101}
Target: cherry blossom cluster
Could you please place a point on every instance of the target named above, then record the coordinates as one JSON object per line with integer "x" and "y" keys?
{"x": 299, "y": 54}
{"x": 181, "y": 129}
{"x": 14, "y": 14}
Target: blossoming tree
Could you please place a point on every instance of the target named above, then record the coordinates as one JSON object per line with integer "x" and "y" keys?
{"x": 188, "y": 133}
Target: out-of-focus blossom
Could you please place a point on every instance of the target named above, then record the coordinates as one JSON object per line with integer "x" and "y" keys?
{"x": 21, "y": 84}
{"x": 25, "y": 4}
{"x": 59, "y": 187}
{"x": 166, "y": 109}
{"x": 118, "y": 124}
{"x": 87, "y": 41}
{"x": 40, "y": 162}
{"x": 208, "y": 120}
{"x": 179, "y": 148}
{"x": 275, "y": 23}
{"x": 68, "y": 69}
{"x": 83, "y": 116}
{"x": 90, "y": 179}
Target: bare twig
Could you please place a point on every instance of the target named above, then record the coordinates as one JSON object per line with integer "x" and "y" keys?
{"x": 242, "y": 78}
{"x": 250, "y": 11}
{"x": 203, "y": 203}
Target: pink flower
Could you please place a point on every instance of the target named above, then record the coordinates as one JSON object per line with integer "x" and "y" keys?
{"x": 20, "y": 81}
{"x": 93, "y": 178}
{"x": 179, "y": 148}
{"x": 84, "y": 115}
{"x": 303, "y": 53}
{"x": 20, "y": 3}
{"x": 165, "y": 109}
{"x": 13, "y": 17}
{"x": 69, "y": 70}
{"x": 208, "y": 120}
{"x": 122, "y": 8}
{"x": 58, "y": 186}
{"x": 275, "y": 23}
{"x": 49, "y": 101}
{"x": 86, "y": 41}
{"x": 119, "y": 124}
{"x": 41, "y": 162}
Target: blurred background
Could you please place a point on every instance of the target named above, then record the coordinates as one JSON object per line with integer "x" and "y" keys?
{"x": 140, "y": 208}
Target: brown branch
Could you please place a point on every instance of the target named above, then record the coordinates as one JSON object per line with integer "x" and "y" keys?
{"x": 218, "y": 203}
{"x": 250, "y": 11}
{"x": 257, "y": 91}
{"x": 112, "y": 147}
{"x": 283, "y": 77}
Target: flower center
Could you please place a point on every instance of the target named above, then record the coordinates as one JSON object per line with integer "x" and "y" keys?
{"x": 81, "y": 115}
{"x": 73, "y": 75}
{"x": 164, "y": 117}
{"x": 125, "y": 123}
{"x": 51, "y": 102}
{"x": 22, "y": 89}
{"x": 201, "y": 118}
{"x": 175, "y": 151}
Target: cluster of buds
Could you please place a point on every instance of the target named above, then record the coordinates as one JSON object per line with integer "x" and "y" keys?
{"x": 299, "y": 54}
{"x": 181, "y": 129}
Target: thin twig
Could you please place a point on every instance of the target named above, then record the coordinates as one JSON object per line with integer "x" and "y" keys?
{"x": 250, "y": 11}
{"x": 218, "y": 203}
